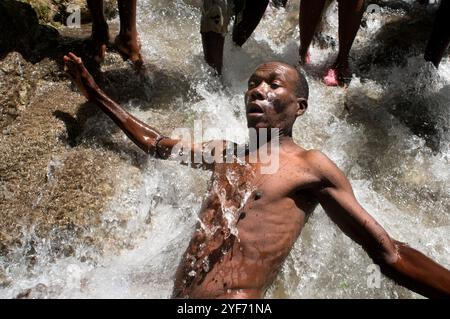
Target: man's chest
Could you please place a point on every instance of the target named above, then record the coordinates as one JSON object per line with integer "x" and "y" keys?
{"x": 241, "y": 183}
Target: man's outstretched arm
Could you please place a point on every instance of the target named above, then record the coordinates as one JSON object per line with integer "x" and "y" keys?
{"x": 146, "y": 137}
{"x": 141, "y": 134}
{"x": 402, "y": 263}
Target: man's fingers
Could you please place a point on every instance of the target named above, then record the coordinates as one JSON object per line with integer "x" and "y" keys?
{"x": 73, "y": 57}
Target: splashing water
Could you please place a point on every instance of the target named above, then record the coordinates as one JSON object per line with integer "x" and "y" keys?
{"x": 375, "y": 131}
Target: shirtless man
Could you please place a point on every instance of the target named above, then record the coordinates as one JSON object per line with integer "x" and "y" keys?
{"x": 126, "y": 43}
{"x": 250, "y": 220}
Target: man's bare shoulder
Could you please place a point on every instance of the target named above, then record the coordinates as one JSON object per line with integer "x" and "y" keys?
{"x": 324, "y": 169}
{"x": 313, "y": 157}
{"x": 318, "y": 163}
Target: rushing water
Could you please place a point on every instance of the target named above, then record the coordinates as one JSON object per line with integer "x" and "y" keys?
{"x": 388, "y": 131}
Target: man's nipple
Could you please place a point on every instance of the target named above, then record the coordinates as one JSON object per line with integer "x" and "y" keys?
{"x": 258, "y": 194}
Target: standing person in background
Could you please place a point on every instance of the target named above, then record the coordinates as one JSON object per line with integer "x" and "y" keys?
{"x": 440, "y": 35}
{"x": 126, "y": 43}
{"x": 216, "y": 15}
{"x": 350, "y": 15}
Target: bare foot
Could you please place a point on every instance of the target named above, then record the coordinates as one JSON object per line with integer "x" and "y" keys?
{"x": 98, "y": 43}
{"x": 130, "y": 49}
{"x": 337, "y": 75}
{"x": 80, "y": 75}
{"x": 305, "y": 59}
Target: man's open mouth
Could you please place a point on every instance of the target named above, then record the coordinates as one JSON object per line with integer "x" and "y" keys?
{"x": 255, "y": 109}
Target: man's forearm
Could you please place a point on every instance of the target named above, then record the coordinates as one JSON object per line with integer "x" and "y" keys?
{"x": 140, "y": 133}
{"x": 420, "y": 273}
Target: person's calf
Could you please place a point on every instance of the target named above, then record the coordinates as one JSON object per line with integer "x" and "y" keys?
{"x": 99, "y": 42}
{"x": 213, "y": 50}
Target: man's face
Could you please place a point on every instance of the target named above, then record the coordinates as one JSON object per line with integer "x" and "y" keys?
{"x": 271, "y": 100}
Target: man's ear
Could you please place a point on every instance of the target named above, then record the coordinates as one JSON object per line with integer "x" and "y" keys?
{"x": 302, "y": 106}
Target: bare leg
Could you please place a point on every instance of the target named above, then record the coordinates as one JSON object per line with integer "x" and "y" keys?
{"x": 309, "y": 18}
{"x": 213, "y": 49}
{"x": 251, "y": 16}
{"x": 127, "y": 42}
{"x": 100, "y": 34}
{"x": 350, "y": 15}
{"x": 440, "y": 36}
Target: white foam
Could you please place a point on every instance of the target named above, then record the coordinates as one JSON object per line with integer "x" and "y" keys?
{"x": 396, "y": 176}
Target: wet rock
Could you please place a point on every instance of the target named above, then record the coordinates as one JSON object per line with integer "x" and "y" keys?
{"x": 194, "y": 3}
{"x": 64, "y": 10}
{"x": 3, "y": 249}
{"x": 5, "y": 282}
{"x": 401, "y": 36}
{"x": 16, "y": 85}
{"x": 18, "y": 81}
{"x": 56, "y": 178}
{"x": 24, "y": 294}
{"x": 60, "y": 208}
{"x": 39, "y": 291}
{"x": 391, "y": 4}
{"x": 57, "y": 11}
{"x": 22, "y": 32}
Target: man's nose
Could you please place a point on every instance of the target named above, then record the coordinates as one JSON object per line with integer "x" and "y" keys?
{"x": 260, "y": 92}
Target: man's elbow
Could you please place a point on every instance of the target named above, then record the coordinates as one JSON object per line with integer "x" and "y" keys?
{"x": 391, "y": 258}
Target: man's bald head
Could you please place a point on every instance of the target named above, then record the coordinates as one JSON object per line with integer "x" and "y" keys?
{"x": 301, "y": 87}
{"x": 277, "y": 95}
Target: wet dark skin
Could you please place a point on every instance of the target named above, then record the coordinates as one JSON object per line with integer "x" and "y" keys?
{"x": 239, "y": 257}
{"x": 350, "y": 15}
{"x": 127, "y": 41}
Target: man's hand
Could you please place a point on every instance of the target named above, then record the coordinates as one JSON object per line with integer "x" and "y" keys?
{"x": 75, "y": 68}
{"x": 404, "y": 264}
{"x": 146, "y": 137}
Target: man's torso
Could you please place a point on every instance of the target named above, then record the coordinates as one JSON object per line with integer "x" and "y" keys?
{"x": 248, "y": 225}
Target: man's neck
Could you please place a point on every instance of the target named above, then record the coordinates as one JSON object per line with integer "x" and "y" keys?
{"x": 269, "y": 139}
